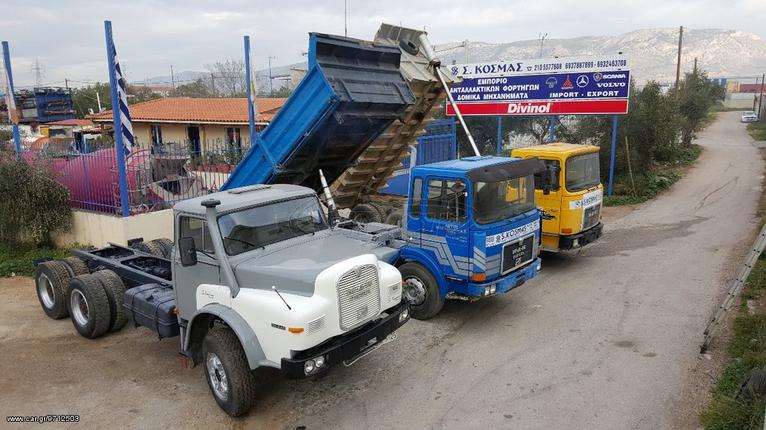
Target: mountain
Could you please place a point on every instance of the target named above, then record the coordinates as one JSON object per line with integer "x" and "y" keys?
{"x": 652, "y": 52}
{"x": 188, "y": 76}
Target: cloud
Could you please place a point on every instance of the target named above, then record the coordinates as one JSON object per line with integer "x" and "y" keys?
{"x": 67, "y": 37}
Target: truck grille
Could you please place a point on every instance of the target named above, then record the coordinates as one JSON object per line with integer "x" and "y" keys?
{"x": 358, "y": 296}
{"x": 590, "y": 216}
{"x": 518, "y": 253}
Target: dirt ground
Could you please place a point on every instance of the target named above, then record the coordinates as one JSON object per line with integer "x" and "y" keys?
{"x": 604, "y": 338}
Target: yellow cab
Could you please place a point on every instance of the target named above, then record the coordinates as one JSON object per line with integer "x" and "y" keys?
{"x": 569, "y": 194}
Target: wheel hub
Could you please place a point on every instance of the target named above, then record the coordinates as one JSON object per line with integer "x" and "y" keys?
{"x": 79, "y": 307}
{"x": 45, "y": 289}
{"x": 414, "y": 291}
{"x": 217, "y": 375}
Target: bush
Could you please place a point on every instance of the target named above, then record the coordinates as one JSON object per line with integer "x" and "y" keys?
{"x": 34, "y": 204}
{"x": 19, "y": 260}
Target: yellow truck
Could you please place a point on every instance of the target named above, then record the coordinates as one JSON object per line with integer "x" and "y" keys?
{"x": 569, "y": 194}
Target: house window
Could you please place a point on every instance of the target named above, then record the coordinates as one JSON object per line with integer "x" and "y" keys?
{"x": 156, "y": 135}
{"x": 446, "y": 200}
{"x": 233, "y": 137}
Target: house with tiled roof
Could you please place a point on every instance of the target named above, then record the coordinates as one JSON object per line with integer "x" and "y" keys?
{"x": 196, "y": 121}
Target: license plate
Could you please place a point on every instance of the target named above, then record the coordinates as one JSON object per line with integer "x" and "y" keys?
{"x": 518, "y": 253}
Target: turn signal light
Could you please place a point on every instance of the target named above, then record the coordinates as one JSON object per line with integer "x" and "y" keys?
{"x": 566, "y": 231}
{"x": 295, "y": 330}
{"x": 478, "y": 277}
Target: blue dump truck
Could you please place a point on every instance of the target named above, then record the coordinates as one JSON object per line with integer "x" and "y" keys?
{"x": 469, "y": 229}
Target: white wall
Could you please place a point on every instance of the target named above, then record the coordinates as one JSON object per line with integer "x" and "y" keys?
{"x": 90, "y": 228}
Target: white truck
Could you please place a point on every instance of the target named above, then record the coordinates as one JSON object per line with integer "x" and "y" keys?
{"x": 257, "y": 277}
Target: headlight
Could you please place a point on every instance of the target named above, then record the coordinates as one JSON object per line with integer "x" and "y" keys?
{"x": 319, "y": 361}
{"x": 308, "y": 367}
{"x": 404, "y": 315}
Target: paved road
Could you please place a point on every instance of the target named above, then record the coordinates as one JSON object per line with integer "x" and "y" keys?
{"x": 601, "y": 340}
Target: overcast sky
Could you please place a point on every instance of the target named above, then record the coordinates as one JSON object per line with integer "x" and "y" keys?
{"x": 67, "y": 37}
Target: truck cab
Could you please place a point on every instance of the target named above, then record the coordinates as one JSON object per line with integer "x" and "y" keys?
{"x": 472, "y": 231}
{"x": 569, "y": 193}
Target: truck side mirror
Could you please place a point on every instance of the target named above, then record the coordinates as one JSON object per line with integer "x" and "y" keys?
{"x": 188, "y": 251}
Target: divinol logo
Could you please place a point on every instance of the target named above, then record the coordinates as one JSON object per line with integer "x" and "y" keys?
{"x": 529, "y": 108}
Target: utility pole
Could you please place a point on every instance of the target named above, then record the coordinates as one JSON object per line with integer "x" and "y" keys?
{"x": 466, "y": 46}
{"x": 212, "y": 83}
{"x": 38, "y": 69}
{"x": 66, "y": 83}
{"x": 695, "y": 65}
{"x": 98, "y": 100}
{"x": 271, "y": 79}
{"x": 760, "y": 98}
{"x": 345, "y": 18}
{"x": 541, "y": 37}
{"x": 172, "y": 77}
{"x": 678, "y": 60}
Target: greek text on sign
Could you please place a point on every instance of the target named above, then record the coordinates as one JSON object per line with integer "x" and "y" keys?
{"x": 580, "y": 85}
{"x": 513, "y": 234}
{"x": 590, "y": 199}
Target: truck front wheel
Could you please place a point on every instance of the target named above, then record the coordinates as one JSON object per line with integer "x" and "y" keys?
{"x": 227, "y": 371}
{"x": 421, "y": 291}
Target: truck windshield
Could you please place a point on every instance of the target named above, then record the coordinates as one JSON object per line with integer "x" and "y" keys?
{"x": 495, "y": 201}
{"x": 582, "y": 171}
{"x": 260, "y": 226}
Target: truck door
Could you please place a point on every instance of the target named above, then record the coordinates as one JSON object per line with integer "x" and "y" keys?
{"x": 445, "y": 226}
{"x": 206, "y": 271}
{"x": 550, "y": 203}
{"x": 415, "y": 211}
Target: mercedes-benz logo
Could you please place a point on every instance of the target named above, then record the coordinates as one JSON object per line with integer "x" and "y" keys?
{"x": 582, "y": 81}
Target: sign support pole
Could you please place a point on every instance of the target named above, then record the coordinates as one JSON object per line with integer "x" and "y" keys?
{"x": 250, "y": 110}
{"x": 118, "y": 143}
{"x": 552, "y": 129}
{"x": 611, "y": 155}
{"x": 7, "y": 62}
{"x": 499, "y": 135}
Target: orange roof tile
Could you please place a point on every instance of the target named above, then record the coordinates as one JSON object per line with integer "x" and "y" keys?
{"x": 197, "y": 110}
{"x": 72, "y": 123}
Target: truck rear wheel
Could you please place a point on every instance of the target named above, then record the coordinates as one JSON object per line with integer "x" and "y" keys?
{"x": 115, "y": 292}
{"x": 166, "y": 245}
{"x": 149, "y": 248}
{"x": 420, "y": 289}
{"x": 76, "y": 266}
{"x": 51, "y": 282}
{"x": 89, "y": 306}
{"x": 394, "y": 218}
{"x": 365, "y": 213}
{"x": 227, "y": 371}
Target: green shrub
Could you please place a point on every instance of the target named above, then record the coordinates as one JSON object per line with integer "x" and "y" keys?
{"x": 19, "y": 260}
{"x": 34, "y": 204}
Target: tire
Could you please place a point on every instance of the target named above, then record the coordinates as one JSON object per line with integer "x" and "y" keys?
{"x": 382, "y": 209}
{"x": 89, "y": 306}
{"x": 115, "y": 292}
{"x": 148, "y": 248}
{"x": 428, "y": 301}
{"x": 76, "y": 266}
{"x": 222, "y": 354}
{"x": 365, "y": 213}
{"x": 51, "y": 283}
{"x": 394, "y": 218}
{"x": 166, "y": 245}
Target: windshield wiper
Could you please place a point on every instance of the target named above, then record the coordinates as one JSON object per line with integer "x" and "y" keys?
{"x": 244, "y": 241}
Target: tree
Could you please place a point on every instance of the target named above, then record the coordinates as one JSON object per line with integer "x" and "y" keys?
{"x": 85, "y": 100}
{"x": 229, "y": 77}
{"x": 139, "y": 94}
{"x": 696, "y": 95}
{"x": 195, "y": 89}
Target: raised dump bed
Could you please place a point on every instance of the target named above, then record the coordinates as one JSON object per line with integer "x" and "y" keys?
{"x": 379, "y": 161}
{"x": 351, "y": 93}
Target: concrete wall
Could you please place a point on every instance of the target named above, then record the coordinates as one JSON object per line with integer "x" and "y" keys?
{"x": 90, "y": 228}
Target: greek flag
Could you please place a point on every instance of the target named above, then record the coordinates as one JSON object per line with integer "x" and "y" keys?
{"x": 125, "y": 123}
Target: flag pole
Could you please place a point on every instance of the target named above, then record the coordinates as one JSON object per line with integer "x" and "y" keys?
{"x": 250, "y": 100}
{"x": 118, "y": 138}
{"x": 11, "y": 115}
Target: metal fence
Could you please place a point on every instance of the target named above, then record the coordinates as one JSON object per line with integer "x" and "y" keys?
{"x": 157, "y": 176}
